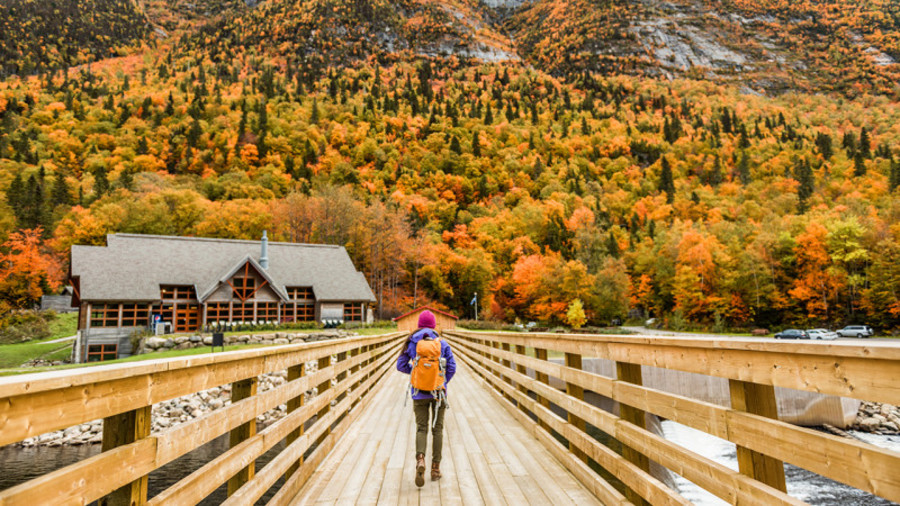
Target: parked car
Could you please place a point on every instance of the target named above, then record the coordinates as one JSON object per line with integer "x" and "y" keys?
{"x": 856, "y": 331}
{"x": 821, "y": 334}
{"x": 792, "y": 334}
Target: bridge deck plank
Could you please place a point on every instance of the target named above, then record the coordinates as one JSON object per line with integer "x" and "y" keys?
{"x": 489, "y": 458}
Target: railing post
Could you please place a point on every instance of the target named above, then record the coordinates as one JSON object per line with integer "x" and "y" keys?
{"x": 573, "y": 360}
{"x": 241, "y": 390}
{"x": 324, "y": 363}
{"x": 342, "y": 356}
{"x": 759, "y": 400}
{"x": 541, "y": 354}
{"x": 520, "y": 350}
{"x": 294, "y": 373}
{"x": 119, "y": 430}
{"x": 632, "y": 374}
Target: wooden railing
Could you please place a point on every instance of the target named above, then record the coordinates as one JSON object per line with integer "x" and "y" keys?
{"x": 753, "y": 367}
{"x": 123, "y": 395}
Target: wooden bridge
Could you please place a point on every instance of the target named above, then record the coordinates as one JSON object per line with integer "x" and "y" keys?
{"x": 511, "y": 436}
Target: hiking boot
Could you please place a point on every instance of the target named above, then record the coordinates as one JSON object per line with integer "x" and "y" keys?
{"x": 435, "y": 471}
{"x": 420, "y": 470}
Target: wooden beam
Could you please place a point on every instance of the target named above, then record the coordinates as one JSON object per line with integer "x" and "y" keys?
{"x": 120, "y": 430}
{"x": 759, "y": 400}
{"x": 295, "y": 373}
{"x": 242, "y": 390}
{"x": 631, "y": 373}
{"x": 573, "y": 360}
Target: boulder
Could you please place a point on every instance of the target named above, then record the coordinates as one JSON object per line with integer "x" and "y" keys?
{"x": 182, "y": 339}
{"x": 155, "y": 343}
{"x": 759, "y": 332}
{"x": 170, "y": 343}
{"x": 869, "y": 424}
{"x": 207, "y": 340}
{"x": 196, "y": 339}
{"x": 281, "y": 341}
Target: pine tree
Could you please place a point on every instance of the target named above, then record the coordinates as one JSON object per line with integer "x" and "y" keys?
{"x": 314, "y": 115}
{"x": 194, "y": 133}
{"x": 488, "y": 115}
{"x": 15, "y": 196}
{"x": 60, "y": 194}
{"x": 894, "y": 180}
{"x": 743, "y": 168}
{"x": 101, "y": 182}
{"x": 476, "y": 144}
{"x": 715, "y": 177}
{"x": 454, "y": 145}
{"x": 667, "y": 181}
{"x": 859, "y": 164}
{"x": 804, "y": 175}
{"x": 537, "y": 169}
{"x": 612, "y": 246}
{"x": 865, "y": 145}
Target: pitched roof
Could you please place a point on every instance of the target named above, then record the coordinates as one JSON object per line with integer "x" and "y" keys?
{"x": 132, "y": 266}
{"x": 422, "y": 308}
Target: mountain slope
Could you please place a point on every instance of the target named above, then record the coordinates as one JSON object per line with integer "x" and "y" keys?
{"x": 42, "y": 34}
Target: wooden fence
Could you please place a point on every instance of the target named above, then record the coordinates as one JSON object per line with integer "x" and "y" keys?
{"x": 753, "y": 367}
{"x": 123, "y": 395}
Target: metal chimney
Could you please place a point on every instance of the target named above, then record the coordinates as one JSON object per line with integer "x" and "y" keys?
{"x": 264, "y": 255}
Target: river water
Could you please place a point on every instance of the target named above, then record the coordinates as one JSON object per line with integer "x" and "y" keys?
{"x": 22, "y": 464}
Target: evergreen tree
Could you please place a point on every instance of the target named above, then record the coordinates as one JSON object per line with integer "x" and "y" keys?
{"x": 314, "y": 115}
{"x": 537, "y": 169}
{"x": 667, "y": 181}
{"x": 193, "y": 134}
{"x": 715, "y": 177}
{"x": 894, "y": 180}
{"x": 60, "y": 194}
{"x": 865, "y": 145}
{"x": 476, "y": 144}
{"x": 454, "y": 145}
{"x": 15, "y": 196}
{"x": 612, "y": 246}
{"x": 101, "y": 182}
{"x": 743, "y": 168}
{"x": 488, "y": 115}
{"x": 804, "y": 175}
{"x": 859, "y": 164}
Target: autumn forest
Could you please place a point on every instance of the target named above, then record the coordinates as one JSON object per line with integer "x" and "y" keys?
{"x": 550, "y": 175}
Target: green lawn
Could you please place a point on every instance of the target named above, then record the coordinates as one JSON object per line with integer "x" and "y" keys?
{"x": 14, "y": 355}
{"x": 64, "y": 325}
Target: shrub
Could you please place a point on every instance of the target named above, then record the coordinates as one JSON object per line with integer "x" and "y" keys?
{"x": 21, "y": 326}
{"x": 486, "y": 325}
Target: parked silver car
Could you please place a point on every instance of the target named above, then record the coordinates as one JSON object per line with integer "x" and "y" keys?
{"x": 821, "y": 334}
{"x": 856, "y": 331}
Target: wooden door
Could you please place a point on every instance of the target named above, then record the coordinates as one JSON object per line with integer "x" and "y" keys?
{"x": 187, "y": 317}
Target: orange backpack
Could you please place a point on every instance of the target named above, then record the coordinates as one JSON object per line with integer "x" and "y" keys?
{"x": 428, "y": 367}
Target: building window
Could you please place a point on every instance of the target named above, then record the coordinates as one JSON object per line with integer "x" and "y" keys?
{"x": 104, "y": 315}
{"x": 244, "y": 287}
{"x": 101, "y": 352}
{"x": 217, "y": 312}
{"x": 177, "y": 292}
{"x": 167, "y": 313}
{"x": 242, "y": 312}
{"x": 305, "y": 312}
{"x": 353, "y": 312}
{"x": 267, "y": 311}
{"x": 135, "y": 315}
{"x": 300, "y": 293}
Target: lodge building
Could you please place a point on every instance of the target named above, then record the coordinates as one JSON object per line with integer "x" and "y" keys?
{"x": 137, "y": 282}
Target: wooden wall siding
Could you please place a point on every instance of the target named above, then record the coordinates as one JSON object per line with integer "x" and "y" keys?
{"x": 410, "y": 322}
{"x": 122, "y": 394}
{"x": 862, "y": 371}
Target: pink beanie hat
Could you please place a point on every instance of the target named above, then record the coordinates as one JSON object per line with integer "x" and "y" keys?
{"x": 426, "y": 319}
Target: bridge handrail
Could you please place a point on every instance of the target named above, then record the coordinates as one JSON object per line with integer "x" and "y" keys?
{"x": 123, "y": 395}
{"x": 753, "y": 368}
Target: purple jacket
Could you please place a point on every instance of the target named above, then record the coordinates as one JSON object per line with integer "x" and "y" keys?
{"x": 404, "y": 362}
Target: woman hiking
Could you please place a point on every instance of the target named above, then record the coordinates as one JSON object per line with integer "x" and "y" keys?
{"x": 429, "y": 361}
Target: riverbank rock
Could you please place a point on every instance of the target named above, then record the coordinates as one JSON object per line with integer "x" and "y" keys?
{"x": 878, "y": 418}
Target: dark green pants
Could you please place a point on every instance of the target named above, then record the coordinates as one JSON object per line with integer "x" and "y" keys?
{"x": 424, "y": 410}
